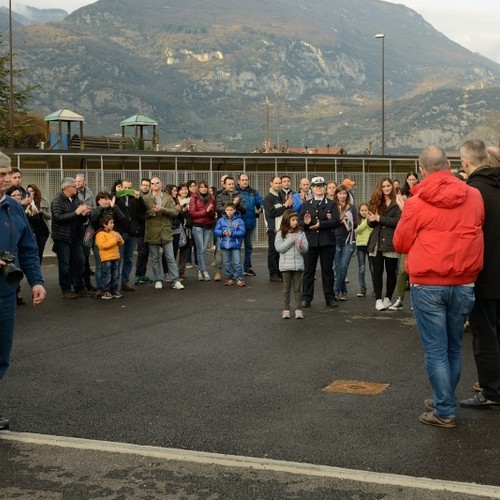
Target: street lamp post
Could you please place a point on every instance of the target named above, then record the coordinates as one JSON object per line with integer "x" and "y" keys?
{"x": 382, "y": 37}
{"x": 278, "y": 95}
{"x": 267, "y": 141}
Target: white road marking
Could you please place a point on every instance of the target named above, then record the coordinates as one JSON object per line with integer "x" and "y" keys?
{"x": 254, "y": 463}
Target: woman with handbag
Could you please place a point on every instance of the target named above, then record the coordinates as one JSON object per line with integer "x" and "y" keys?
{"x": 202, "y": 212}
{"x": 38, "y": 212}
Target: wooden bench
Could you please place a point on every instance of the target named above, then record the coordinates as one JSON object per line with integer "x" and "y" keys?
{"x": 103, "y": 142}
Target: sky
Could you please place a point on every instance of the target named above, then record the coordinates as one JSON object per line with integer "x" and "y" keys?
{"x": 472, "y": 23}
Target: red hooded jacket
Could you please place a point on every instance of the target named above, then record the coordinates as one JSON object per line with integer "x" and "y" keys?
{"x": 441, "y": 231}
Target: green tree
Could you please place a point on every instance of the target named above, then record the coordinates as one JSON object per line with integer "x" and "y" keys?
{"x": 20, "y": 99}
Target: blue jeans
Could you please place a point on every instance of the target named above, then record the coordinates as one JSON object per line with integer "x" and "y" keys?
{"x": 362, "y": 254}
{"x": 440, "y": 313}
{"x": 71, "y": 263}
{"x": 343, "y": 255}
{"x": 126, "y": 256}
{"x": 7, "y": 317}
{"x": 98, "y": 266}
{"x": 232, "y": 263}
{"x": 110, "y": 275}
{"x": 168, "y": 252}
{"x": 248, "y": 242}
{"x": 201, "y": 237}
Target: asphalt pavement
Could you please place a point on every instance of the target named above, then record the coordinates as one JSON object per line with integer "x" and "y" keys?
{"x": 103, "y": 396}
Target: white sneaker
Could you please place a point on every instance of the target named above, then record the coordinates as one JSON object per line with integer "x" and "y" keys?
{"x": 387, "y": 302}
{"x": 189, "y": 266}
{"x": 206, "y": 276}
{"x": 200, "y": 276}
{"x": 178, "y": 286}
{"x": 158, "y": 285}
{"x": 379, "y": 305}
{"x": 397, "y": 306}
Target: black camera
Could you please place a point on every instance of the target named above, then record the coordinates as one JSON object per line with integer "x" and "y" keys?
{"x": 12, "y": 274}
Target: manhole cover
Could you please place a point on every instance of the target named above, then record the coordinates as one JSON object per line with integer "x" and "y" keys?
{"x": 356, "y": 387}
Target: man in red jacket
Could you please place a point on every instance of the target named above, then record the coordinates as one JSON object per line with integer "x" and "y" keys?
{"x": 441, "y": 231}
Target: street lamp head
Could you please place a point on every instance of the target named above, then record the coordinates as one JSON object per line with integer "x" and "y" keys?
{"x": 379, "y": 35}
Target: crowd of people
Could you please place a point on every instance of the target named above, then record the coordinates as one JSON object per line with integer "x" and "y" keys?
{"x": 426, "y": 236}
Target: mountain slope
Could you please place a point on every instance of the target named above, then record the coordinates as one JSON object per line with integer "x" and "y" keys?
{"x": 203, "y": 68}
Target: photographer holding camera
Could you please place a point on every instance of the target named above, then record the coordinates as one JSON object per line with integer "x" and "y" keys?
{"x": 17, "y": 248}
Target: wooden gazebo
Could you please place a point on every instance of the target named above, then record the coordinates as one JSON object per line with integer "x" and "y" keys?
{"x": 60, "y": 116}
{"x": 139, "y": 122}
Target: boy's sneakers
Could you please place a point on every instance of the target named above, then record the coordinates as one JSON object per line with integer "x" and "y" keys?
{"x": 107, "y": 296}
{"x": 178, "y": 286}
{"x": 397, "y": 306}
{"x": 116, "y": 294}
{"x": 299, "y": 314}
{"x": 206, "y": 276}
{"x": 229, "y": 282}
{"x": 362, "y": 293}
{"x": 158, "y": 285}
{"x": 250, "y": 272}
{"x": 343, "y": 296}
{"x": 200, "y": 276}
{"x": 241, "y": 283}
{"x": 285, "y": 314}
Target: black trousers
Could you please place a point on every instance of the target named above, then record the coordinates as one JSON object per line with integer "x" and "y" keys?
{"x": 484, "y": 321}
{"x": 273, "y": 257}
{"x": 391, "y": 266}
{"x": 326, "y": 255}
{"x": 141, "y": 264}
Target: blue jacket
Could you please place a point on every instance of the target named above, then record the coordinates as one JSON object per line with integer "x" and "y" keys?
{"x": 253, "y": 199}
{"x": 237, "y": 228}
{"x": 16, "y": 237}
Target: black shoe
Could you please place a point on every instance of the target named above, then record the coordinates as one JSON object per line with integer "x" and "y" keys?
{"x": 479, "y": 401}
{"x": 305, "y": 304}
{"x": 4, "y": 423}
{"x": 250, "y": 272}
{"x": 331, "y": 303}
{"x": 91, "y": 288}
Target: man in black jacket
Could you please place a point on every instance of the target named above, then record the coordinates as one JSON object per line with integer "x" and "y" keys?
{"x": 484, "y": 318}
{"x": 275, "y": 205}
{"x": 319, "y": 217}
{"x": 68, "y": 218}
{"x": 132, "y": 205}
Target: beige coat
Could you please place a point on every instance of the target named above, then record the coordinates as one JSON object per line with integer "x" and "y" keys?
{"x": 159, "y": 224}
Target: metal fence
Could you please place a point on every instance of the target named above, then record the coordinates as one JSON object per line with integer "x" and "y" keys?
{"x": 49, "y": 180}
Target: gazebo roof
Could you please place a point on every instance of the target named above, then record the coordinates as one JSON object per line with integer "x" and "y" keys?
{"x": 138, "y": 120}
{"x": 64, "y": 115}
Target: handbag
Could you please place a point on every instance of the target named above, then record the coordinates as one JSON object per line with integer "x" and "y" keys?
{"x": 88, "y": 237}
{"x": 182, "y": 237}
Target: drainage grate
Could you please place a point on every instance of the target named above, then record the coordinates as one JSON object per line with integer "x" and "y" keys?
{"x": 356, "y": 387}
